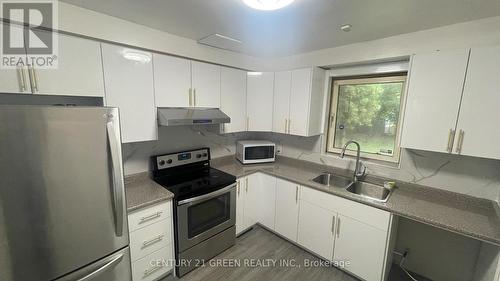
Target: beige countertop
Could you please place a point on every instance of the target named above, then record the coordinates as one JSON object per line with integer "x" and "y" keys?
{"x": 142, "y": 191}
{"x": 470, "y": 216}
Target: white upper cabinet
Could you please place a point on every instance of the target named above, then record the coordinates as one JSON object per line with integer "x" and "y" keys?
{"x": 129, "y": 86}
{"x": 79, "y": 73}
{"x": 14, "y": 81}
{"x": 281, "y": 111}
{"x": 298, "y": 101}
{"x": 205, "y": 84}
{"x": 433, "y": 100}
{"x": 233, "y": 98}
{"x": 478, "y": 132}
{"x": 172, "y": 80}
{"x": 287, "y": 209}
{"x": 260, "y": 88}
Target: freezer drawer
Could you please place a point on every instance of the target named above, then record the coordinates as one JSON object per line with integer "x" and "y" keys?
{"x": 115, "y": 267}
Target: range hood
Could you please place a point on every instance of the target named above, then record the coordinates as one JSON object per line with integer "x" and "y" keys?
{"x": 176, "y": 116}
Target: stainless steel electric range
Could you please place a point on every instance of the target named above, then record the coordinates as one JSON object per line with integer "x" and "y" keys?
{"x": 204, "y": 206}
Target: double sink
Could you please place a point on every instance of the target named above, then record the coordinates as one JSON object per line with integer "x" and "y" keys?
{"x": 362, "y": 189}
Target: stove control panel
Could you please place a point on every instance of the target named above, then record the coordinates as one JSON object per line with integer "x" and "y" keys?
{"x": 182, "y": 158}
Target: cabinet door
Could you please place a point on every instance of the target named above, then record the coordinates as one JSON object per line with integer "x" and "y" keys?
{"x": 434, "y": 93}
{"x": 172, "y": 81}
{"x": 300, "y": 95}
{"x": 260, "y": 101}
{"x": 316, "y": 228}
{"x": 479, "y": 112}
{"x": 266, "y": 204}
{"x": 206, "y": 84}
{"x": 240, "y": 205}
{"x": 251, "y": 206}
{"x": 15, "y": 81}
{"x": 362, "y": 245}
{"x": 287, "y": 209}
{"x": 281, "y": 104}
{"x": 78, "y": 73}
{"x": 129, "y": 86}
{"x": 233, "y": 98}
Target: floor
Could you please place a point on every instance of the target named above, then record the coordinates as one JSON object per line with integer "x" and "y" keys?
{"x": 259, "y": 245}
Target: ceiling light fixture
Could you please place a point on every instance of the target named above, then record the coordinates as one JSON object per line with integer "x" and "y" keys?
{"x": 267, "y": 5}
{"x": 253, "y": 73}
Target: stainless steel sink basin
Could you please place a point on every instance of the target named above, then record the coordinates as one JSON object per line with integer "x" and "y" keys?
{"x": 371, "y": 191}
{"x": 332, "y": 180}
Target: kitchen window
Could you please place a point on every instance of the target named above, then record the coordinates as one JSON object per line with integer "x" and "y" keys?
{"x": 367, "y": 110}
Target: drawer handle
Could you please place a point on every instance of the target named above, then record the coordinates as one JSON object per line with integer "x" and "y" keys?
{"x": 152, "y": 241}
{"x": 151, "y": 270}
{"x": 150, "y": 217}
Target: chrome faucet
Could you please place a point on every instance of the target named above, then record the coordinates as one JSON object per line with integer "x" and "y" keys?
{"x": 357, "y": 171}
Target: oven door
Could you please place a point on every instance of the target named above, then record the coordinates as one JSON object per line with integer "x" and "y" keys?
{"x": 258, "y": 154}
{"x": 204, "y": 216}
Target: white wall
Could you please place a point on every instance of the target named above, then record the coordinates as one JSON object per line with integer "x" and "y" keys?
{"x": 100, "y": 26}
{"x": 469, "y": 34}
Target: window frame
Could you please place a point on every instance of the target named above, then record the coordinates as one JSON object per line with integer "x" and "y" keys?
{"x": 332, "y": 117}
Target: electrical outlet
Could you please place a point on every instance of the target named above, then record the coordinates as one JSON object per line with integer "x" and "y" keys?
{"x": 279, "y": 148}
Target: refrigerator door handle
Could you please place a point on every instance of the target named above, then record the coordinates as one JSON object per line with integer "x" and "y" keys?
{"x": 117, "y": 177}
{"x": 102, "y": 269}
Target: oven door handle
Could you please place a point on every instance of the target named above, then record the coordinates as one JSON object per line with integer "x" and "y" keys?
{"x": 205, "y": 197}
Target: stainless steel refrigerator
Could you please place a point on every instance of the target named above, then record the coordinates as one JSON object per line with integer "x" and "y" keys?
{"x": 62, "y": 199}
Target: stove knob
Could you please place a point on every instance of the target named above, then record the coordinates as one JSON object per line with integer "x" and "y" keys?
{"x": 198, "y": 155}
{"x": 205, "y": 154}
{"x": 162, "y": 162}
{"x": 169, "y": 161}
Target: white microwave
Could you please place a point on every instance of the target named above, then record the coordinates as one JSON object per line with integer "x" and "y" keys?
{"x": 253, "y": 151}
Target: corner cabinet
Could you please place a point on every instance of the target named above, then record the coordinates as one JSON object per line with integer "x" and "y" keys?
{"x": 129, "y": 86}
{"x": 233, "y": 99}
{"x": 453, "y": 101}
{"x": 260, "y": 87}
{"x": 298, "y": 101}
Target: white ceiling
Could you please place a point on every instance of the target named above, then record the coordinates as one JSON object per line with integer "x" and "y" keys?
{"x": 304, "y": 26}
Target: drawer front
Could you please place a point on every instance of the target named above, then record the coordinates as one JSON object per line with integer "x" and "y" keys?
{"x": 153, "y": 266}
{"x": 149, "y": 239}
{"x": 363, "y": 213}
{"x": 149, "y": 215}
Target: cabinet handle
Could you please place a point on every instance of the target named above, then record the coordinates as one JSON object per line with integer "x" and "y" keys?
{"x": 333, "y": 225}
{"x": 152, "y": 241}
{"x": 460, "y": 141}
{"x": 238, "y": 187}
{"x": 297, "y": 194}
{"x": 451, "y": 138}
{"x": 248, "y": 123}
{"x": 194, "y": 96}
{"x": 289, "y": 122}
{"x": 22, "y": 79}
{"x": 286, "y": 125}
{"x": 35, "y": 77}
{"x": 32, "y": 78}
{"x": 246, "y": 185}
{"x": 150, "y": 271}
{"x": 190, "y": 97}
{"x": 150, "y": 217}
{"x": 338, "y": 227}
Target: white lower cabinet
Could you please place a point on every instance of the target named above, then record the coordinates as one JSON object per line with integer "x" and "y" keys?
{"x": 287, "y": 209}
{"x": 151, "y": 242}
{"x": 332, "y": 227}
{"x": 362, "y": 245}
{"x": 316, "y": 229}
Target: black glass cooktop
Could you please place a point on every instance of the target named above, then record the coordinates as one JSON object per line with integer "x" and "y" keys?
{"x": 195, "y": 182}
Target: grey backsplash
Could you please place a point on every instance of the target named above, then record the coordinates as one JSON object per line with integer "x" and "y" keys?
{"x": 468, "y": 175}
